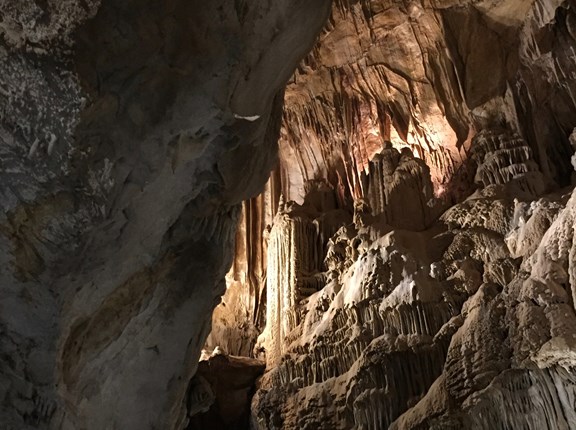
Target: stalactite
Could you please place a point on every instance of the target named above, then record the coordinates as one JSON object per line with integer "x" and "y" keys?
{"x": 240, "y": 318}
{"x": 296, "y": 249}
{"x": 390, "y": 325}
{"x": 410, "y": 315}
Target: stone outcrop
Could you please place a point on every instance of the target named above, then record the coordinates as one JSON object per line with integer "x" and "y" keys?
{"x": 410, "y": 263}
{"x": 130, "y": 132}
{"x": 228, "y": 384}
{"x": 399, "y": 189}
{"x": 240, "y": 317}
{"x": 296, "y": 248}
{"x": 444, "y": 129}
{"x": 468, "y": 323}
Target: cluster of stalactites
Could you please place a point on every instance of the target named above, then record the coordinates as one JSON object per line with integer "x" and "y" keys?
{"x": 296, "y": 269}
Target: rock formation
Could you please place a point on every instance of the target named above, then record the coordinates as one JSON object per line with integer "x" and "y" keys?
{"x": 226, "y": 384}
{"x": 130, "y": 132}
{"x": 445, "y": 300}
{"x": 466, "y": 324}
{"x": 410, "y": 263}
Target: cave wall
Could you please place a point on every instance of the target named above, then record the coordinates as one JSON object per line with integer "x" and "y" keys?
{"x": 241, "y": 316}
{"x": 468, "y": 323}
{"x": 442, "y": 295}
{"x": 429, "y": 75}
{"x": 130, "y": 133}
{"x": 409, "y": 265}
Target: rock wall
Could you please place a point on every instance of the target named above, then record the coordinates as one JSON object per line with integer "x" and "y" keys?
{"x": 429, "y": 75}
{"x": 130, "y": 131}
{"x": 446, "y": 299}
{"x": 225, "y": 385}
{"x": 467, "y": 323}
{"x": 240, "y": 317}
{"x": 410, "y": 264}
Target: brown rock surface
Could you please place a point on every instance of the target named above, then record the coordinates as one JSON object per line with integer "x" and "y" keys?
{"x": 429, "y": 316}
{"x": 410, "y": 264}
{"x": 429, "y": 75}
{"x": 231, "y": 380}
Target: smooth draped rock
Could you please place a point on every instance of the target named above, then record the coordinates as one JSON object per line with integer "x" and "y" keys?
{"x": 130, "y": 132}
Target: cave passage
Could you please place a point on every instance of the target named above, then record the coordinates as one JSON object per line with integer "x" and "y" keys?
{"x": 287, "y": 214}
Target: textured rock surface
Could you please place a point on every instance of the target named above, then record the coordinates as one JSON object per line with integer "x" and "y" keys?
{"x": 410, "y": 265}
{"x": 469, "y": 323}
{"x": 240, "y": 317}
{"x": 443, "y": 128}
{"x": 429, "y": 75}
{"x": 231, "y": 385}
{"x": 129, "y": 133}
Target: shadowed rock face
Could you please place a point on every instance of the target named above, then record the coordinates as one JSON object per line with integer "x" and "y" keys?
{"x": 130, "y": 131}
{"x": 228, "y": 382}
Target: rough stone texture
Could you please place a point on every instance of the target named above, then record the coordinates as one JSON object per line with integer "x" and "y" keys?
{"x": 130, "y": 131}
{"x": 422, "y": 315}
{"x": 429, "y": 75}
{"x": 231, "y": 385}
{"x": 240, "y": 317}
{"x": 460, "y": 325}
{"x": 409, "y": 266}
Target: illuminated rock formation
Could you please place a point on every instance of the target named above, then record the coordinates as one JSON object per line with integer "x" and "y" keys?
{"x": 409, "y": 265}
{"x": 430, "y": 316}
{"x": 429, "y": 75}
{"x": 399, "y": 190}
{"x": 433, "y": 329}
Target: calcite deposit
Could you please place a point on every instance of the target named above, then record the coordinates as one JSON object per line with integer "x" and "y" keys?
{"x": 468, "y": 323}
{"x": 436, "y": 289}
{"x": 358, "y": 214}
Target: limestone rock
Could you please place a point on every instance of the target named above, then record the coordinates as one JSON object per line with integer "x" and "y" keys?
{"x": 231, "y": 380}
{"x": 125, "y": 154}
{"x": 409, "y": 265}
